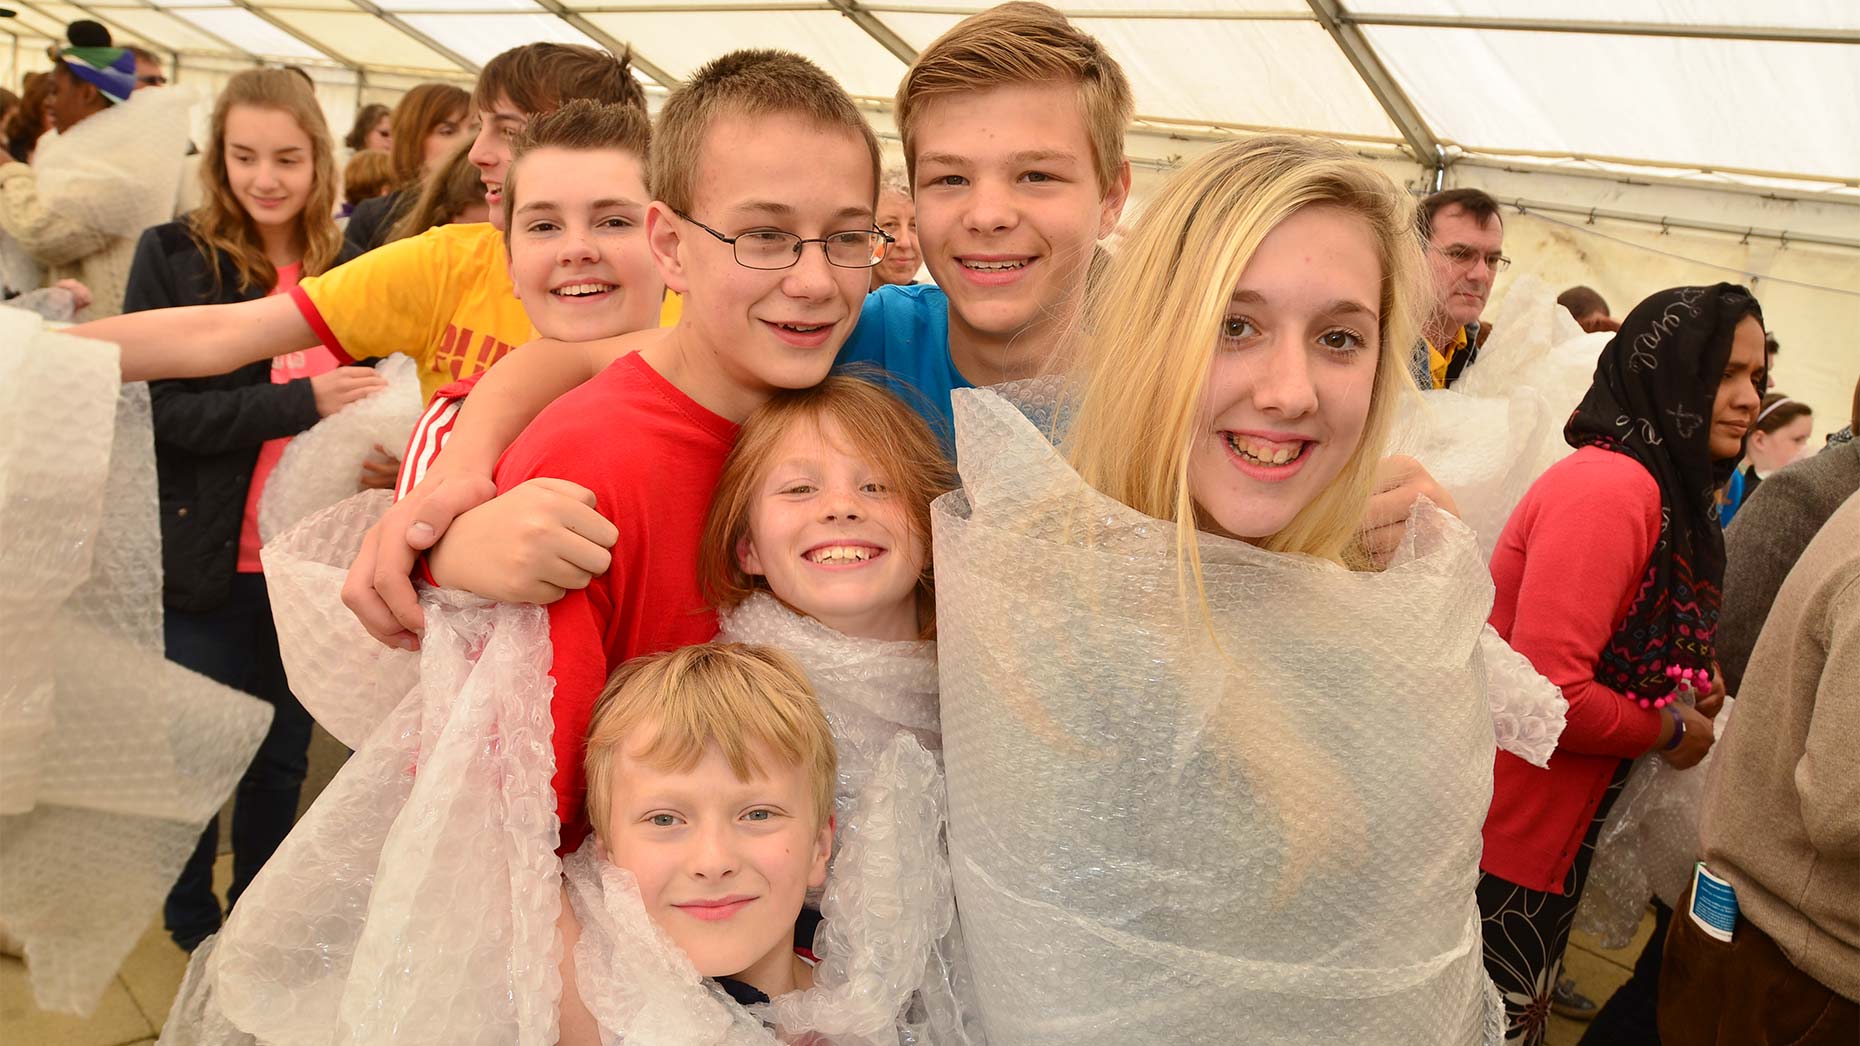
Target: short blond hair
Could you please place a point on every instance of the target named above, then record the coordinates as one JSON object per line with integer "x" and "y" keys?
{"x": 1022, "y": 43}
{"x": 745, "y": 83}
{"x": 733, "y": 695}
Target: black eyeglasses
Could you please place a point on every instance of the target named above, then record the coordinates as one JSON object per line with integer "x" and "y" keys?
{"x": 774, "y": 249}
{"x": 1464, "y": 257}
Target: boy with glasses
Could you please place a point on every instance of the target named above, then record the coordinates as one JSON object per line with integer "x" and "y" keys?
{"x": 764, "y": 176}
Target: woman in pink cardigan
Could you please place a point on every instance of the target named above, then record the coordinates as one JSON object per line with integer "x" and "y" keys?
{"x": 1608, "y": 579}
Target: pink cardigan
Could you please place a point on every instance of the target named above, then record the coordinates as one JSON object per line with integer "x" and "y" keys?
{"x": 1567, "y": 564}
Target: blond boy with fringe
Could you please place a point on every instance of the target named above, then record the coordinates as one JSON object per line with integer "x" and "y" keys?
{"x": 710, "y": 781}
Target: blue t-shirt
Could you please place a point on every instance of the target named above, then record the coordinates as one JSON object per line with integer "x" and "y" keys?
{"x": 904, "y": 331}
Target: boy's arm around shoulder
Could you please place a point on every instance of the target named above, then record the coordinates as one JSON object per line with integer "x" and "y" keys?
{"x": 545, "y": 537}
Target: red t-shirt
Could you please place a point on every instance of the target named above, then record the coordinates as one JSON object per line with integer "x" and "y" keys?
{"x": 652, "y": 456}
{"x": 307, "y": 363}
{"x": 1567, "y": 564}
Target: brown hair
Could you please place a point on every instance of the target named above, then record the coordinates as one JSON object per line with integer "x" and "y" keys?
{"x": 365, "y": 121}
{"x": 874, "y": 424}
{"x": 580, "y": 125}
{"x": 1476, "y": 202}
{"x": 1022, "y": 43}
{"x": 537, "y": 78}
{"x": 419, "y": 112}
{"x": 1582, "y": 301}
{"x": 444, "y": 195}
{"x": 368, "y": 174}
{"x": 25, "y": 124}
{"x": 732, "y": 695}
{"x": 220, "y": 226}
{"x": 1778, "y": 410}
{"x": 745, "y": 83}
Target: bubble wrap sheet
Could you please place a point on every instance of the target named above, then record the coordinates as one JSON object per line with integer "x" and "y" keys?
{"x": 118, "y": 171}
{"x": 887, "y": 897}
{"x": 1647, "y": 844}
{"x": 416, "y": 901}
{"x": 320, "y": 467}
{"x": 1487, "y": 439}
{"x": 1155, "y": 841}
{"x": 872, "y": 691}
{"x": 346, "y": 680}
{"x": 112, "y": 759}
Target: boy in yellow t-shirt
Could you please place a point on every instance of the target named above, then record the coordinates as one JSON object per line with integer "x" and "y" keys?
{"x": 443, "y": 297}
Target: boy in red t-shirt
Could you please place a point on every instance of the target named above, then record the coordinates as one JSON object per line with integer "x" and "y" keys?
{"x": 764, "y": 178}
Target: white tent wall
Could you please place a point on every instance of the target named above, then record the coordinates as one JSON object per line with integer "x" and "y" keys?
{"x": 1565, "y": 106}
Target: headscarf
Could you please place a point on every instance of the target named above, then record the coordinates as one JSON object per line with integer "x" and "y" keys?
{"x": 111, "y": 70}
{"x": 1655, "y": 384}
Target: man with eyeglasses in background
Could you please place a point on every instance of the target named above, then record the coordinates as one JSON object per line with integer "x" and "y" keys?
{"x": 1465, "y": 239}
{"x": 148, "y": 67}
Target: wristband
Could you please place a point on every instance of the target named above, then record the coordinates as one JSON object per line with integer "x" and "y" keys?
{"x": 1679, "y": 729}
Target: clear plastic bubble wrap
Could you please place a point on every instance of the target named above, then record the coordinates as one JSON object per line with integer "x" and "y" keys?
{"x": 872, "y": 691}
{"x": 416, "y": 901}
{"x": 1647, "y": 844}
{"x": 1487, "y": 439}
{"x": 1154, "y": 840}
{"x": 887, "y": 902}
{"x": 112, "y": 759}
{"x": 320, "y": 467}
{"x": 346, "y": 680}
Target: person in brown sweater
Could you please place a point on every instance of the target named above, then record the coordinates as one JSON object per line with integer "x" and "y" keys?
{"x": 1781, "y": 824}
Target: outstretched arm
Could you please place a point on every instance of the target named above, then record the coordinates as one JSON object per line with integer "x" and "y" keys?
{"x": 203, "y": 340}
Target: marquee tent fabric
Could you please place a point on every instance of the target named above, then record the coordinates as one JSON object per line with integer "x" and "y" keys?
{"x": 1637, "y": 144}
{"x": 1436, "y": 78}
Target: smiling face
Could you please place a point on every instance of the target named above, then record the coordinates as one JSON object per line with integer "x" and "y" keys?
{"x": 1290, "y": 387}
{"x": 723, "y": 864}
{"x": 753, "y": 331}
{"x": 491, "y": 152}
{"x": 269, "y": 164}
{"x": 1463, "y": 285}
{"x": 898, "y": 217}
{"x": 832, "y": 538}
{"x": 1740, "y": 390}
{"x": 1008, "y": 210}
{"x": 578, "y": 252}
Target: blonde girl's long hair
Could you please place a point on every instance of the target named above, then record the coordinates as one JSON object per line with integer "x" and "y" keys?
{"x": 1150, "y": 327}
{"x": 221, "y": 226}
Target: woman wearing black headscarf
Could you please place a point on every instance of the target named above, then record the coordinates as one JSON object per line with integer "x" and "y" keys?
{"x": 1607, "y": 579}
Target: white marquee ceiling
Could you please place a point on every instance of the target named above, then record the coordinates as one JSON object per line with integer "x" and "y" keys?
{"x": 1742, "y": 89}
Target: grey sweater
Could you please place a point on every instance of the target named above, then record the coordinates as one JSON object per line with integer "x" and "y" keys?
{"x": 1781, "y": 819}
{"x": 1769, "y": 533}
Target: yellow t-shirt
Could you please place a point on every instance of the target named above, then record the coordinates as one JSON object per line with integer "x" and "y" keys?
{"x": 443, "y": 297}
{"x": 1438, "y": 361}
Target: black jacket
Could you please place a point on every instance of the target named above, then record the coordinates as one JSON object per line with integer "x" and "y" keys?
{"x": 207, "y": 430}
{"x": 374, "y": 219}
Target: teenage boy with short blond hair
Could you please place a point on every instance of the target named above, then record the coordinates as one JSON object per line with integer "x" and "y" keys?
{"x": 764, "y": 177}
{"x": 1013, "y": 127}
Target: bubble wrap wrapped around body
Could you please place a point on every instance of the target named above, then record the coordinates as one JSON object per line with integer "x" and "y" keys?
{"x": 1489, "y": 437}
{"x": 1155, "y": 841}
{"x": 1647, "y": 844}
{"x": 872, "y": 691}
{"x": 887, "y": 896}
{"x": 319, "y": 468}
{"x": 416, "y": 901}
{"x": 112, "y": 759}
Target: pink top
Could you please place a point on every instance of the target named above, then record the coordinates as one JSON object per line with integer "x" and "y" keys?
{"x": 1566, "y": 566}
{"x": 288, "y": 367}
